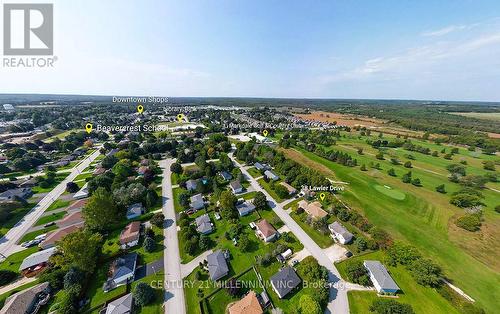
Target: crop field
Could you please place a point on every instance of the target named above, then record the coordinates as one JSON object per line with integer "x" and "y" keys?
{"x": 493, "y": 116}
{"x": 420, "y": 215}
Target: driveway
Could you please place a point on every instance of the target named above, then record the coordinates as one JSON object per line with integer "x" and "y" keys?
{"x": 152, "y": 268}
{"x": 338, "y": 294}
{"x": 188, "y": 268}
{"x": 174, "y": 291}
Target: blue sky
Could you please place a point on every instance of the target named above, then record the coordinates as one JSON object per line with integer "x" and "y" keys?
{"x": 446, "y": 50}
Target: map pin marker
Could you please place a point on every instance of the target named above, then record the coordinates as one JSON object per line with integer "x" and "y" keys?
{"x": 322, "y": 196}
{"x": 140, "y": 109}
{"x": 180, "y": 117}
{"x": 265, "y": 132}
{"x": 88, "y": 127}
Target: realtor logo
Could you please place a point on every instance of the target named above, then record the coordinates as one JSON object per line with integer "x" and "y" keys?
{"x": 28, "y": 29}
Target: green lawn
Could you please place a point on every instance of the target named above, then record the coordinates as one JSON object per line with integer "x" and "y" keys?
{"x": 323, "y": 240}
{"x": 15, "y": 216}
{"x": 156, "y": 281}
{"x": 58, "y": 179}
{"x": 58, "y": 204}
{"x": 422, "y": 299}
{"x": 14, "y": 261}
{"x": 254, "y": 172}
{"x": 145, "y": 257}
{"x": 176, "y": 192}
{"x": 31, "y": 235}
{"x": 83, "y": 176}
{"x": 95, "y": 293}
{"x": 267, "y": 187}
{"x": 247, "y": 196}
{"x": 421, "y": 219}
{"x": 50, "y": 218}
{"x": 391, "y": 192}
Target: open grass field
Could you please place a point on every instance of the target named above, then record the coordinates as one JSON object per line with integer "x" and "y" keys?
{"x": 422, "y": 218}
{"x": 341, "y": 119}
{"x": 422, "y": 299}
{"x": 493, "y": 116}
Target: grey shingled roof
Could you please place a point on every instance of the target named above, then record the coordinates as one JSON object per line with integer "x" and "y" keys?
{"x": 22, "y": 301}
{"x": 197, "y": 201}
{"x": 381, "y": 275}
{"x": 217, "y": 266}
{"x": 285, "y": 280}
{"x": 120, "y": 305}
{"x": 338, "y": 228}
{"x": 203, "y": 224}
{"x": 191, "y": 185}
{"x": 37, "y": 258}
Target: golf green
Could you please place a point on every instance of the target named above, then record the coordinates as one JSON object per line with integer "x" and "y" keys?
{"x": 386, "y": 190}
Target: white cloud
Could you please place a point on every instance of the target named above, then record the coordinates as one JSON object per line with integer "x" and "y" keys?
{"x": 445, "y": 30}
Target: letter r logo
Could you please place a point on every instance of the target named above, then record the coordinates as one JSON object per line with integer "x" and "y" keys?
{"x": 28, "y": 29}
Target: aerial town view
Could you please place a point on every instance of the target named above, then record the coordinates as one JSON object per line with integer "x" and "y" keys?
{"x": 249, "y": 157}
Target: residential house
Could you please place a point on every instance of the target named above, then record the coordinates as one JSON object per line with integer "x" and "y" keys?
{"x": 36, "y": 262}
{"x": 245, "y": 208}
{"x": 129, "y": 236}
{"x": 284, "y": 281}
{"x": 99, "y": 171}
{"x": 69, "y": 219}
{"x": 28, "y": 300}
{"x": 380, "y": 277}
{"x": 313, "y": 209}
{"x": 142, "y": 170}
{"x": 291, "y": 189}
{"x": 191, "y": 185}
{"x": 122, "y": 305}
{"x": 249, "y": 304}
{"x": 112, "y": 152}
{"x": 217, "y": 265}
{"x": 83, "y": 193}
{"x": 203, "y": 224}
{"x": 340, "y": 233}
{"x": 271, "y": 175}
{"x": 122, "y": 270}
{"x": 265, "y": 230}
{"x": 16, "y": 194}
{"x": 134, "y": 211}
{"x": 225, "y": 175}
{"x": 197, "y": 202}
{"x": 57, "y": 235}
{"x": 260, "y": 167}
{"x": 236, "y": 187}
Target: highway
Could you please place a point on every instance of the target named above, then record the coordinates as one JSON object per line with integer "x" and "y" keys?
{"x": 8, "y": 243}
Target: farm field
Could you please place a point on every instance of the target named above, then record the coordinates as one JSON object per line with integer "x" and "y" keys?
{"x": 423, "y": 217}
{"x": 493, "y": 116}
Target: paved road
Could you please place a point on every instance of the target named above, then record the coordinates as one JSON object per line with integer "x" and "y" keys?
{"x": 338, "y": 294}
{"x": 8, "y": 243}
{"x": 174, "y": 290}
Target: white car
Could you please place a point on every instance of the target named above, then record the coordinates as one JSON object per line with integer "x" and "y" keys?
{"x": 41, "y": 237}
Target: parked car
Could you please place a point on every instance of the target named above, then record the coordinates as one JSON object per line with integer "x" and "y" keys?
{"x": 295, "y": 262}
{"x": 348, "y": 254}
{"x": 49, "y": 224}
